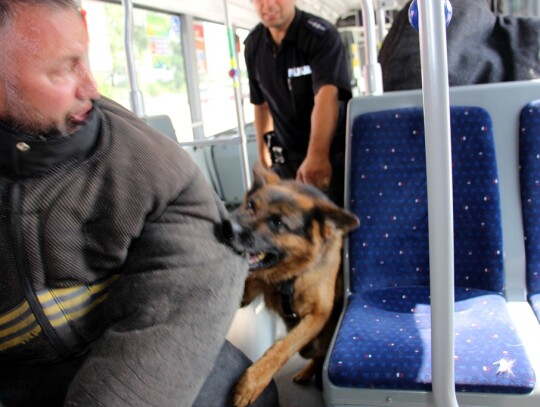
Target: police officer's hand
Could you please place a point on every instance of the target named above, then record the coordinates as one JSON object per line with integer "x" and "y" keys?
{"x": 264, "y": 156}
{"x": 315, "y": 170}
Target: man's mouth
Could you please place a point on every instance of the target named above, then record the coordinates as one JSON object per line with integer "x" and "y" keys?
{"x": 271, "y": 16}
{"x": 80, "y": 116}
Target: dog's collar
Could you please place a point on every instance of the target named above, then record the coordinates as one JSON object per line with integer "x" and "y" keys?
{"x": 286, "y": 290}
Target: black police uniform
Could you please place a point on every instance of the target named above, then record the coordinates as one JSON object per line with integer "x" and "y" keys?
{"x": 311, "y": 55}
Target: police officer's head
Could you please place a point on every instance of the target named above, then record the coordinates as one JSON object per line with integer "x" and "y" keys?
{"x": 275, "y": 14}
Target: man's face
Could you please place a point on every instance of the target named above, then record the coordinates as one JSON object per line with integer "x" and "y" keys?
{"x": 276, "y": 14}
{"x": 45, "y": 83}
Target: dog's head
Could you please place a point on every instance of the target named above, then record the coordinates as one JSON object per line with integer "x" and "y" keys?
{"x": 285, "y": 226}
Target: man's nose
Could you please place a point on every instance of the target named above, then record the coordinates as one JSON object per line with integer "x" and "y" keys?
{"x": 87, "y": 88}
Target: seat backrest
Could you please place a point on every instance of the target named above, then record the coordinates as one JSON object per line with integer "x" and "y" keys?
{"x": 529, "y": 157}
{"x": 163, "y": 124}
{"x": 388, "y": 193}
{"x": 503, "y": 101}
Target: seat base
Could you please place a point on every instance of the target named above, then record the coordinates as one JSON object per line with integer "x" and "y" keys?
{"x": 385, "y": 343}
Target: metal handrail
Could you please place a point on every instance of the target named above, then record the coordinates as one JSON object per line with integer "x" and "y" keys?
{"x": 436, "y": 101}
{"x": 135, "y": 94}
{"x": 235, "y": 76}
{"x": 372, "y": 69}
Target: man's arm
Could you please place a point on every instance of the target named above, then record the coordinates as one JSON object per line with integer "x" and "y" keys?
{"x": 168, "y": 312}
{"x": 316, "y": 168}
{"x": 331, "y": 84}
{"x": 263, "y": 124}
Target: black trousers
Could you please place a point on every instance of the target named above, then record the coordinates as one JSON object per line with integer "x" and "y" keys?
{"x": 33, "y": 387}
{"x": 218, "y": 390}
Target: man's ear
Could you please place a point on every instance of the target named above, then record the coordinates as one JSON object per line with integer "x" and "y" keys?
{"x": 262, "y": 176}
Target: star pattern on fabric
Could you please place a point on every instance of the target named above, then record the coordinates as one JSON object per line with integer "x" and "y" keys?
{"x": 505, "y": 366}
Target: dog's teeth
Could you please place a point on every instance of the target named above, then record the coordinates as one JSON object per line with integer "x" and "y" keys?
{"x": 254, "y": 258}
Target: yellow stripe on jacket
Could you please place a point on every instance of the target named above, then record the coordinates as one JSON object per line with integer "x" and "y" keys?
{"x": 60, "y": 305}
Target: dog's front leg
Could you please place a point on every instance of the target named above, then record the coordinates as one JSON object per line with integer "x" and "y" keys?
{"x": 259, "y": 375}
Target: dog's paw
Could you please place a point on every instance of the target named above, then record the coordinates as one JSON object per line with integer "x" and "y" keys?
{"x": 249, "y": 387}
{"x": 305, "y": 375}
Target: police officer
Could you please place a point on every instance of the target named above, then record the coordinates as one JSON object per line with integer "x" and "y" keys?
{"x": 299, "y": 84}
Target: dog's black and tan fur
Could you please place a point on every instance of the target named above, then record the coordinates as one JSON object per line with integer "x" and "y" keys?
{"x": 293, "y": 235}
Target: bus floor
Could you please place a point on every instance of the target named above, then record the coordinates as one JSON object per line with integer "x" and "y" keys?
{"x": 297, "y": 395}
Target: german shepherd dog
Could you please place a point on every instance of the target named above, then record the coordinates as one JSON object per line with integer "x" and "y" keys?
{"x": 293, "y": 234}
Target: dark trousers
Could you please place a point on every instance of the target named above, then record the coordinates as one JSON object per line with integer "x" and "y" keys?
{"x": 218, "y": 390}
{"x": 46, "y": 387}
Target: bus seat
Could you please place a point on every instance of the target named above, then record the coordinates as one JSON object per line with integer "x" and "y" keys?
{"x": 529, "y": 155}
{"x": 381, "y": 351}
{"x": 389, "y": 259}
{"x": 163, "y": 124}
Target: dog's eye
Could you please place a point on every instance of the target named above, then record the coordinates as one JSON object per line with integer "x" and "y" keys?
{"x": 276, "y": 223}
{"x": 250, "y": 205}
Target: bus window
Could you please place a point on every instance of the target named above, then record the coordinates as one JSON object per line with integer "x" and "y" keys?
{"x": 159, "y": 61}
{"x": 215, "y": 84}
{"x": 249, "y": 113}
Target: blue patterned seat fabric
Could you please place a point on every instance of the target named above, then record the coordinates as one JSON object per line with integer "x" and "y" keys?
{"x": 384, "y": 339}
{"x": 529, "y": 157}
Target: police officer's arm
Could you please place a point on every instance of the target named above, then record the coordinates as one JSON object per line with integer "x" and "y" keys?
{"x": 316, "y": 168}
{"x": 330, "y": 78}
{"x": 263, "y": 124}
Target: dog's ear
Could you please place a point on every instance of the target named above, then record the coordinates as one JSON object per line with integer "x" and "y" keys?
{"x": 343, "y": 219}
{"x": 262, "y": 176}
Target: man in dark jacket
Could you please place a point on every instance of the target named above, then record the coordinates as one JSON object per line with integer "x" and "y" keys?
{"x": 299, "y": 84}
{"x": 116, "y": 288}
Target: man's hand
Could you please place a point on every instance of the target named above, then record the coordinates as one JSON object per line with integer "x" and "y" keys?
{"x": 315, "y": 170}
{"x": 263, "y": 125}
{"x": 264, "y": 156}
